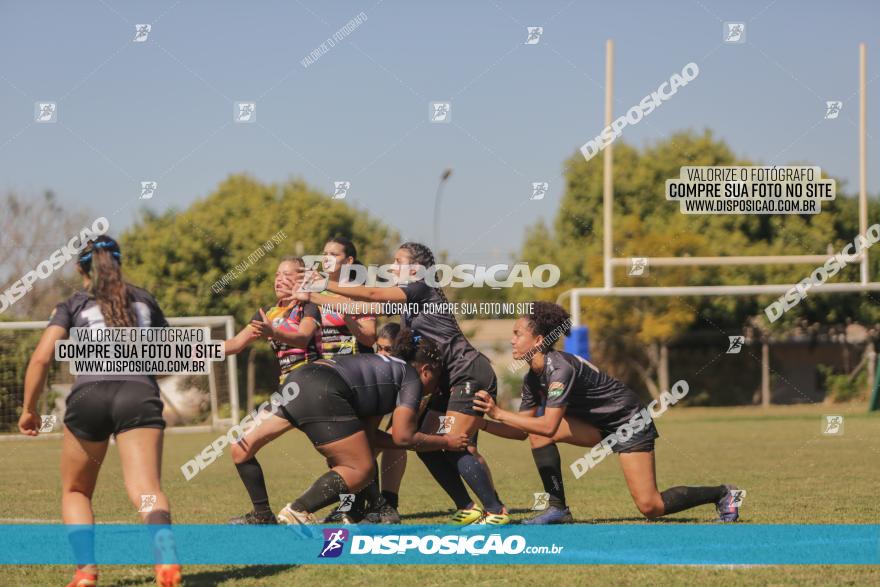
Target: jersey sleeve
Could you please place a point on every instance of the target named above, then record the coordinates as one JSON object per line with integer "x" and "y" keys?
{"x": 560, "y": 383}
{"x": 312, "y": 311}
{"x": 157, "y": 317}
{"x": 61, "y": 316}
{"x": 410, "y": 394}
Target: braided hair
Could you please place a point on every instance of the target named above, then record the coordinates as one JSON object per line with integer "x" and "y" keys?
{"x": 100, "y": 260}
{"x": 422, "y": 255}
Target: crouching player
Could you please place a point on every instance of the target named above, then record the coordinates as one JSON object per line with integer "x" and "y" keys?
{"x": 338, "y": 403}
{"x": 583, "y": 405}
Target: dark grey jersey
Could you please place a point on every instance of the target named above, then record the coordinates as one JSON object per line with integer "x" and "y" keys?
{"x": 379, "y": 383}
{"x": 442, "y": 328}
{"x": 576, "y": 384}
{"x": 82, "y": 311}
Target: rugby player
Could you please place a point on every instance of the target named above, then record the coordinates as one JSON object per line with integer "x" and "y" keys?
{"x": 127, "y": 407}
{"x": 468, "y": 372}
{"x": 338, "y": 405}
{"x": 582, "y": 405}
{"x": 293, "y": 330}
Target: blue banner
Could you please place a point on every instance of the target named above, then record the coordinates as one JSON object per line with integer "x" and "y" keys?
{"x": 651, "y": 544}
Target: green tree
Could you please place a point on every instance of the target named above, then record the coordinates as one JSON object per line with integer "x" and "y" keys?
{"x": 627, "y": 333}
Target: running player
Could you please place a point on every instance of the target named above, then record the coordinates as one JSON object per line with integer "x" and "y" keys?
{"x": 468, "y": 372}
{"x": 583, "y": 405}
{"x": 338, "y": 404}
{"x": 98, "y": 406}
{"x": 292, "y": 328}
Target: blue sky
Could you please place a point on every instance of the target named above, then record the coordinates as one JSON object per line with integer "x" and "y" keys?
{"x": 163, "y": 109}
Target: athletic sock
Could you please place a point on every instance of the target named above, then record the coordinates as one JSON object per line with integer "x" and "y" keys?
{"x": 368, "y": 498}
{"x": 251, "y": 474}
{"x": 476, "y": 477}
{"x": 391, "y": 498}
{"x": 446, "y": 475}
{"x": 323, "y": 492}
{"x": 82, "y": 541}
{"x": 550, "y": 469}
{"x": 676, "y": 499}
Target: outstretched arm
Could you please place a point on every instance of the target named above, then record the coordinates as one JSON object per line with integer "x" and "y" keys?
{"x": 545, "y": 425}
{"x": 35, "y": 378}
{"x": 240, "y": 341}
{"x": 368, "y": 294}
{"x": 405, "y": 434}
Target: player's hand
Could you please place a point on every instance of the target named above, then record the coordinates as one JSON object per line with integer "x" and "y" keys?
{"x": 484, "y": 403}
{"x": 262, "y": 328}
{"x": 29, "y": 423}
{"x": 314, "y": 281}
{"x": 457, "y": 442}
{"x": 287, "y": 290}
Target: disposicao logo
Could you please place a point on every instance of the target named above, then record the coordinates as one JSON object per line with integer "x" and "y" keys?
{"x": 334, "y": 540}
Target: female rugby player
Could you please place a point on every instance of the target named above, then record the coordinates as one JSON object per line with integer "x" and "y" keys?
{"x": 125, "y": 406}
{"x": 338, "y": 404}
{"x": 393, "y": 459}
{"x": 342, "y": 334}
{"x": 583, "y": 405}
{"x": 347, "y": 334}
{"x": 293, "y": 330}
{"x": 468, "y": 371}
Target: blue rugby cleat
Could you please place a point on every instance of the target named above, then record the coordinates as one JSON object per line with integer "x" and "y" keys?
{"x": 552, "y": 515}
{"x": 727, "y": 506}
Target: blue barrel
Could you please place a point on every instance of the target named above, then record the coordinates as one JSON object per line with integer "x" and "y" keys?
{"x": 578, "y": 342}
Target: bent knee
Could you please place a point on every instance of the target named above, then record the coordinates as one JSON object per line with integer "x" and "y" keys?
{"x": 650, "y": 508}
{"x": 239, "y": 453}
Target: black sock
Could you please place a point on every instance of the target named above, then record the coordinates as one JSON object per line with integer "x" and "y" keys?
{"x": 251, "y": 474}
{"x": 446, "y": 475}
{"x": 368, "y": 497}
{"x": 676, "y": 499}
{"x": 324, "y": 491}
{"x": 391, "y": 498}
{"x": 550, "y": 469}
{"x": 476, "y": 477}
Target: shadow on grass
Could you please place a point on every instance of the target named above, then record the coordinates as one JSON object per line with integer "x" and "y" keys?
{"x": 211, "y": 578}
{"x": 641, "y": 519}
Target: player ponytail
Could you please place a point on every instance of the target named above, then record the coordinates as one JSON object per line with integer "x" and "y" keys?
{"x": 100, "y": 261}
{"x": 422, "y": 255}
{"x": 416, "y": 349}
{"x": 550, "y": 321}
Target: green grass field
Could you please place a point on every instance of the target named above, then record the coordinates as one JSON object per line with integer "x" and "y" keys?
{"x": 792, "y": 473}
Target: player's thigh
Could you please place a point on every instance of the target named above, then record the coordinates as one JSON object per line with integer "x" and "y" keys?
{"x": 462, "y": 423}
{"x": 140, "y": 452}
{"x": 269, "y": 427}
{"x": 639, "y": 472}
{"x": 353, "y": 452}
{"x": 431, "y": 422}
{"x": 80, "y": 462}
{"x": 576, "y": 431}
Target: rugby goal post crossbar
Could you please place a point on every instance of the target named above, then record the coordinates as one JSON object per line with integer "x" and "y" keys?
{"x": 609, "y": 261}
{"x": 227, "y": 322}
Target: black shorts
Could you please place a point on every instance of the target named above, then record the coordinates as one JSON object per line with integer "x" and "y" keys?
{"x": 324, "y": 408}
{"x": 98, "y": 409}
{"x": 641, "y": 441}
{"x": 460, "y": 397}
